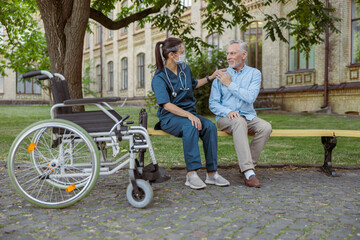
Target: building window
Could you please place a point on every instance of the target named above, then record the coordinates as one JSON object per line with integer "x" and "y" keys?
{"x": 141, "y": 70}
{"x": 98, "y": 33}
{"x": 185, "y": 3}
{"x": 124, "y": 30}
{"x": 124, "y": 73}
{"x": 27, "y": 86}
{"x": 355, "y": 31}
{"x": 111, "y": 75}
{"x": 1, "y": 83}
{"x": 87, "y": 40}
{"x": 299, "y": 60}
{"x": 253, "y": 37}
{"x": 110, "y": 32}
{"x": 98, "y": 78}
{"x": 214, "y": 40}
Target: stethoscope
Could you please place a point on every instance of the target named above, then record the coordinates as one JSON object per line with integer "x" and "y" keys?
{"x": 183, "y": 84}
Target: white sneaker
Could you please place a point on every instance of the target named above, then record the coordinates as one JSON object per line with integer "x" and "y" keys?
{"x": 194, "y": 181}
{"x": 216, "y": 179}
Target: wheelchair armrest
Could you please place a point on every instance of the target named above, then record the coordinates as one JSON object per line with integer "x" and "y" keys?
{"x": 91, "y": 100}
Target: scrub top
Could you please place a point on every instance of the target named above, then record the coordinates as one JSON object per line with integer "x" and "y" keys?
{"x": 163, "y": 91}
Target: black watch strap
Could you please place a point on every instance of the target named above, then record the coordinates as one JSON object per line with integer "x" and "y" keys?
{"x": 208, "y": 79}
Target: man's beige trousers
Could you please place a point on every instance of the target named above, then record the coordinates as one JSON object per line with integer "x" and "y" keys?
{"x": 248, "y": 155}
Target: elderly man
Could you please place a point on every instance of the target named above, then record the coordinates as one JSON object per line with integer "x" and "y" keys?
{"x": 233, "y": 94}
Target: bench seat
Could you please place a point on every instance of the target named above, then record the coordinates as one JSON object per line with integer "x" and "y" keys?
{"x": 328, "y": 139}
{"x": 288, "y": 133}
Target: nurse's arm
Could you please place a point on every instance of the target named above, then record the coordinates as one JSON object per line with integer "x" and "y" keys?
{"x": 182, "y": 113}
{"x": 204, "y": 80}
{"x": 201, "y": 82}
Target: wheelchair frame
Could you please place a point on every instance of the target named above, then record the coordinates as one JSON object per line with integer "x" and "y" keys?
{"x": 58, "y": 167}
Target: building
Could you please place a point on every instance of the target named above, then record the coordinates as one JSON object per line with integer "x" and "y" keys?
{"x": 118, "y": 61}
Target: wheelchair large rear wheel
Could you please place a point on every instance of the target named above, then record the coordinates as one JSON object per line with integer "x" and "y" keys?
{"x": 53, "y": 163}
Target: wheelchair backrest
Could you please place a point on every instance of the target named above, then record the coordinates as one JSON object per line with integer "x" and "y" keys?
{"x": 60, "y": 92}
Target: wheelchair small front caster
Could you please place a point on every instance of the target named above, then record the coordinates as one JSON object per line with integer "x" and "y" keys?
{"x": 143, "y": 198}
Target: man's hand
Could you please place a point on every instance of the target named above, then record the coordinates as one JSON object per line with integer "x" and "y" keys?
{"x": 224, "y": 78}
{"x": 233, "y": 115}
{"x": 213, "y": 76}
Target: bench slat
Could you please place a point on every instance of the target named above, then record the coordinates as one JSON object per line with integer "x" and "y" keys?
{"x": 289, "y": 133}
{"x": 302, "y": 133}
{"x": 347, "y": 133}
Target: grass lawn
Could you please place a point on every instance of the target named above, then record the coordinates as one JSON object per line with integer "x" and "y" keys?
{"x": 168, "y": 149}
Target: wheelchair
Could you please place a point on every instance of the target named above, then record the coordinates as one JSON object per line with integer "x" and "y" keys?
{"x": 56, "y": 162}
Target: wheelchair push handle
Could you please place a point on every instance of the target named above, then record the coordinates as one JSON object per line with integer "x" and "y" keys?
{"x": 44, "y": 77}
{"x": 122, "y": 121}
{"x": 125, "y": 117}
{"x": 41, "y": 73}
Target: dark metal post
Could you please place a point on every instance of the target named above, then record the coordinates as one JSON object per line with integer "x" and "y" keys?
{"x": 329, "y": 144}
{"x": 326, "y": 74}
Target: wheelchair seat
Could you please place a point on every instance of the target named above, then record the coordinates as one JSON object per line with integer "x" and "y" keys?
{"x": 91, "y": 121}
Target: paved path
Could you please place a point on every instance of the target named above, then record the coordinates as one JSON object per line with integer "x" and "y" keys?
{"x": 292, "y": 204}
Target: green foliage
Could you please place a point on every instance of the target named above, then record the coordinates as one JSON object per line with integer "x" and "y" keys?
{"x": 311, "y": 17}
{"x": 87, "y": 81}
{"x": 202, "y": 65}
{"x": 150, "y": 101}
{"x": 25, "y": 45}
{"x": 307, "y": 23}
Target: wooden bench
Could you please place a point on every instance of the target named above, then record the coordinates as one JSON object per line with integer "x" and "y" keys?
{"x": 328, "y": 139}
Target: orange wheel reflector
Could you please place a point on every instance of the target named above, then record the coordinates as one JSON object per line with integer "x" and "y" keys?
{"x": 70, "y": 188}
{"x": 31, "y": 147}
{"x": 50, "y": 167}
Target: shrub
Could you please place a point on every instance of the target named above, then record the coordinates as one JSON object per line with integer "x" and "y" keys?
{"x": 202, "y": 65}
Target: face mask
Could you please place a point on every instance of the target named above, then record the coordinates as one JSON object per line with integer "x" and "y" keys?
{"x": 181, "y": 60}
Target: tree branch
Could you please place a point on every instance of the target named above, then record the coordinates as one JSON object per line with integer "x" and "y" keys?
{"x": 115, "y": 25}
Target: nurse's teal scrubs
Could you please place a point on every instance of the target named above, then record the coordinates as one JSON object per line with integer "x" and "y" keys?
{"x": 184, "y": 85}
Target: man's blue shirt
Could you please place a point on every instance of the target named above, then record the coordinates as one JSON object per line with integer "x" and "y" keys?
{"x": 239, "y": 96}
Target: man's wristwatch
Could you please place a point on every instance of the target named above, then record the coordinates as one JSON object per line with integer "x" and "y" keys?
{"x": 208, "y": 79}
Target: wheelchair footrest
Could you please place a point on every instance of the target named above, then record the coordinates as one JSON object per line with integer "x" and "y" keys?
{"x": 155, "y": 174}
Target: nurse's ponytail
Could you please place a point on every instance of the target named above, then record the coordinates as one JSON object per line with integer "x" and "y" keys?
{"x": 162, "y": 50}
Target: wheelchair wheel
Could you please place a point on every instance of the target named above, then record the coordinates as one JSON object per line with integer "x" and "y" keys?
{"x": 142, "y": 199}
{"x": 38, "y": 161}
{"x": 53, "y": 163}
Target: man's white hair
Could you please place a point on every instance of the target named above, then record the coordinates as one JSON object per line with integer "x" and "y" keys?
{"x": 242, "y": 45}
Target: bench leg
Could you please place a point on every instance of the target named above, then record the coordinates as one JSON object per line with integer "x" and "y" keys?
{"x": 329, "y": 144}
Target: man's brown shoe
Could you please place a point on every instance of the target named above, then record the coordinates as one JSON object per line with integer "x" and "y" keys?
{"x": 252, "y": 182}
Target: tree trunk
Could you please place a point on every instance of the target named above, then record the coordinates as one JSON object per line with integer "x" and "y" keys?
{"x": 65, "y": 24}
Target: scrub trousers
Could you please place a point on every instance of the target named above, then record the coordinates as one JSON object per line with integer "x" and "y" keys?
{"x": 181, "y": 127}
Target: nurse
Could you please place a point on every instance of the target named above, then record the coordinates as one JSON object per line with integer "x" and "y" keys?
{"x": 173, "y": 85}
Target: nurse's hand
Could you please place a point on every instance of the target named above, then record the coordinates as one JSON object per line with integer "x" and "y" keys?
{"x": 195, "y": 121}
{"x": 213, "y": 76}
